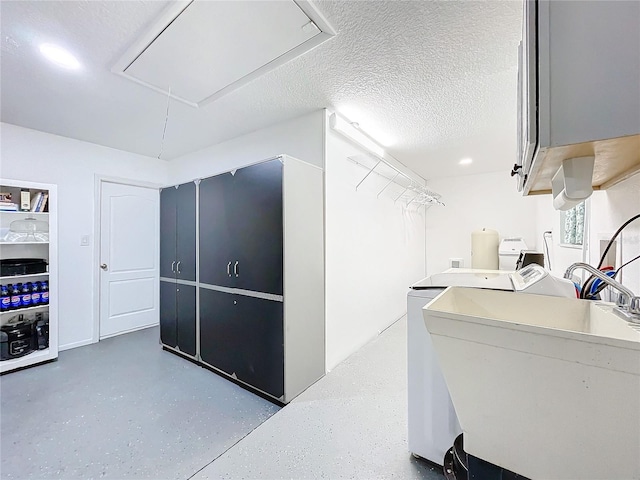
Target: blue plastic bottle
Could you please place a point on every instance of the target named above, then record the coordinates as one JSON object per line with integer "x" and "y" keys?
{"x": 5, "y": 298}
{"x": 44, "y": 292}
{"x": 25, "y": 295}
{"x": 35, "y": 293}
{"x": 16, "y": 296}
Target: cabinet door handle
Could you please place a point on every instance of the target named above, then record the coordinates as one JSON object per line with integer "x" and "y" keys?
{"x": 173, "y": 264}
{"x": 516, "y": 170}
{"x": 229, "y": 268}
{"x": 235, "y": 269}
{"x": 178, "y": 266}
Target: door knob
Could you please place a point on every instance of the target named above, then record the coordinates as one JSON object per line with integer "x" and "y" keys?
{"x": 104, "y": 267}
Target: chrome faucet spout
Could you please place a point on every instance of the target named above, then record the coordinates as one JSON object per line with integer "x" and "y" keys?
{"x": 626, "y": 300}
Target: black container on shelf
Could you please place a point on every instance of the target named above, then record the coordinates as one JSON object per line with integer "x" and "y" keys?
{"x": 41, "y": 331}
{"x": 22, "y": 266}
{"x": 16, "y": 338}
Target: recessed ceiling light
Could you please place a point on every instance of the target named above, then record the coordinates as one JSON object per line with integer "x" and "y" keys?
{"x": 466, "y": 161}
{"x": 59, "y": 56}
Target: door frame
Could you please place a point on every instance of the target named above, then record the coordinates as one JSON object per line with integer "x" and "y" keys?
{"x": 99, "y": 180}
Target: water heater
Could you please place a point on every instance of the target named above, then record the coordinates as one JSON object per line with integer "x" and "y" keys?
{"x": 484, "y": 249}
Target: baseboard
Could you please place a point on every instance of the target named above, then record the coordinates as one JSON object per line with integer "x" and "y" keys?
{"x": 81, "y": 343}
{"x": 151, "y": 325}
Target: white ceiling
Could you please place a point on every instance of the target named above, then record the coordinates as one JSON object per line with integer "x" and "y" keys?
{"x": 436, "y": 78}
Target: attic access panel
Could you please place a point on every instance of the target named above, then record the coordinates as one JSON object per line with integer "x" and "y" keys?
{"x": 202, "y": 49}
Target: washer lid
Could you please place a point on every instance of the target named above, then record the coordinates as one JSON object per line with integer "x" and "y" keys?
{"x": 454, "y": 277}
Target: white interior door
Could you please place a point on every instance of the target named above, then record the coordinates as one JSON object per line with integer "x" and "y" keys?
{"x": 129, "y": 236}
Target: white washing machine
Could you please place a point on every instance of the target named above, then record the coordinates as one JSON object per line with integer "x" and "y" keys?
{"x": 433, "y": 424}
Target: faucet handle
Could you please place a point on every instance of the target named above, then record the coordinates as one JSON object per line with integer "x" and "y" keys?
{"x": 623, "y": 301}
{"x": 634, "y": 306}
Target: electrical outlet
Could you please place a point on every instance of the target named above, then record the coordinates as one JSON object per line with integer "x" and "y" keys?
{"x": 456, "y": 263}
{"x": 610, "y": 259}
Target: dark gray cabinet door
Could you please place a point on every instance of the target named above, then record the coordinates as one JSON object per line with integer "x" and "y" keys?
{"x": 257, "y": 226}
{"x": 262, "y": 344}
{"x": 217, "y": 244}
{"x": 220, "y": 333}
{"x": 178, "y": 260}
{"x": 186, "y": 231}
{"x": 168, "y": 312}
{"x": 168, "y": 227}
{"x": 186, "y": 318}
{"x": 244, "y": 336}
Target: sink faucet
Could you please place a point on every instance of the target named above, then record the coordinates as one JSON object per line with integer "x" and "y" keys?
{"x": 627, "y": 301}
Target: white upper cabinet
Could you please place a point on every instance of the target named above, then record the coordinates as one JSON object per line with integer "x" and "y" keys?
{"x": 579, "y": 90}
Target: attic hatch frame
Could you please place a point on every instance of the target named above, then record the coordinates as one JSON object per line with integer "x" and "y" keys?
{"x": 176, "y": 8}
{"x": 413, "y": 192}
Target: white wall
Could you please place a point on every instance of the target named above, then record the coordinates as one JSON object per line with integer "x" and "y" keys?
{"x": 491, "y": 200}
{"x": 471, "y": 203}
{"x": 374, "y": 252}
{"x": 301, "y": 138}
{"x": 72, "y": 165}
{"x": 607, "y": 211}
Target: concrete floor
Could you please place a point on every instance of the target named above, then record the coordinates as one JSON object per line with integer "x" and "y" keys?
{"x": 123, "y": 408}
{"x": 350, "y": 424}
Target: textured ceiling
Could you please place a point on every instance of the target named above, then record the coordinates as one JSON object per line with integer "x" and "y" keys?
{"x": 436, "y": 80}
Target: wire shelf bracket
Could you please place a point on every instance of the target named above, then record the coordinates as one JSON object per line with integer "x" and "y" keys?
{"x": 415, "y": 193}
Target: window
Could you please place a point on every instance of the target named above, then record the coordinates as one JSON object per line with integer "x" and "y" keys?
{"x": 572, "y": 225}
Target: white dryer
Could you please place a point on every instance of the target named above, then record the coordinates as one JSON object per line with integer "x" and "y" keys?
{"x": 433, "y": 424}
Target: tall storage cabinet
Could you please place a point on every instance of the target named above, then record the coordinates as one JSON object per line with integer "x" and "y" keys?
{"x": 178, "y": 267}
{"x": 30, "y": 328}
{"x": 260, "y": 276}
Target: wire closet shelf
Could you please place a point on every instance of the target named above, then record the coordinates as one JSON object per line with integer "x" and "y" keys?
{"x": 408, "y": 190}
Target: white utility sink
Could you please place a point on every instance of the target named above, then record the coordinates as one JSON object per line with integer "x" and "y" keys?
{"x": 546, "y": 387}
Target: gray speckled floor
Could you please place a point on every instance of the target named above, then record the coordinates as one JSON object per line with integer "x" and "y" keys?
{"x": 350, "y": 424}
{"x": 121, "y": 408}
